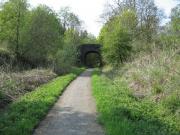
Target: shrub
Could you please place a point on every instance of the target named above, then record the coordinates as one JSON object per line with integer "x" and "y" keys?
{"x": 118, "y": 49}
{"x": 116, "y": 42}
{"x": 6, "y": 58}
{"x": 65, "y": 59}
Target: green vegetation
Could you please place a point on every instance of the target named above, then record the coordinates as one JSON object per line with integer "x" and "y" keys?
{"x": 138, "y": 91}
{"x": 24, "y": 114}
{"x": 5, "y": 57}
{"x": 175, "y": 17}
{"x": 134, "y": 27}
{"x": 40, "y": 37}
{"x": 37, "y": 39}
{"x": 123, "y": 114}
{"x": 14, "y": 85}
{"x": 116, "y": 41}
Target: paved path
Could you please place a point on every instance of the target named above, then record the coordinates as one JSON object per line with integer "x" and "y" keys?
{"x": 74, "y": 113}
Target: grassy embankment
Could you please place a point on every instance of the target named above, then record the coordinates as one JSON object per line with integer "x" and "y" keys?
{"x": 142, "y": 97}
{"x": 15, "y": 84}
{"x": 24, "y": 114}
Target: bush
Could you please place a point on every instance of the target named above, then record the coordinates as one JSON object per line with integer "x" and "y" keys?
{"x": 116, "y": 42}
{"x": 41, "y": 36}
{"x": 6, "y": 58}
{"x": 119, "y": 48}
{"x": 65, "y": 59}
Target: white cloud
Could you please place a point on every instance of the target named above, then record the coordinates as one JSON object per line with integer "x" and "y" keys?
{"x": 90, "y": 10}
{"x": 166, "y": 5}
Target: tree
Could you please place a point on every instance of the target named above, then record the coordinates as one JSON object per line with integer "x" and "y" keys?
{"x": 149, "y": 17}
{"x": 175, "y": 18}
{"x": 43, "y": 35}
{"x": 12, "y": 21}
{"x": 71, "y": 36}
{"x": 116, "y": 42}
{"x": 146, "y": 12}
{"x": 69, "y": 19}
{"x": 65, "y": 59}
{"x": 87, "y": 38}
{"x": 128, "y": 19}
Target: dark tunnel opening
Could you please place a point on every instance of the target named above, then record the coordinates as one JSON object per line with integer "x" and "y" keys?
{"x": 93, "y": 60}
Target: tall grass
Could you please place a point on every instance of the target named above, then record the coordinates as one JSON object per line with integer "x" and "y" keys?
{"x": 123, "y": 114}
{"x": 16, "y": 84}
{"x": 154, "y": 73}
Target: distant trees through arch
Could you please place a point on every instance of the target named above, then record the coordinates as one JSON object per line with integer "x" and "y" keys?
{"x": 90, "y": 55}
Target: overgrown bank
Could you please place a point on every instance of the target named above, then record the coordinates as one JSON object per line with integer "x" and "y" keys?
{"x": 139, "y": 92}
{"x": 122, "y": 113}
{"x": 23, "y": 115}
{"x": 16, "y": 84}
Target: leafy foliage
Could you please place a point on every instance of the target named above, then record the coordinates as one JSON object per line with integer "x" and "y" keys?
{"x": 116, "y": 41}
{"x": 140, "y": 96}
{"x": 69, "y": 20}
{"x": 12, "y": 22}
{"x": 42, "y": 36}
{"x": 36, "y": 35}
{"x": 65, "y": 59}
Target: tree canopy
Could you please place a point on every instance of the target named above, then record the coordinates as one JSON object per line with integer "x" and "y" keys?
{"x": 40, "y": 36}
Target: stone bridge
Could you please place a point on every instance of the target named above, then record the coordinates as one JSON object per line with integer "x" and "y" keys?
{"x": 86, "y": 49}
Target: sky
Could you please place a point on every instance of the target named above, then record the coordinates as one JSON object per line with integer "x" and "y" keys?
{"x": 89, "y": 11}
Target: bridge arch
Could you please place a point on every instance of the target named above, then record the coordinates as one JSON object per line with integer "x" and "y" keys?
{"x": 86, "y": 49}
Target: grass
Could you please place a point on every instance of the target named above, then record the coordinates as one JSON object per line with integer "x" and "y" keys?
{"x": 16, "y": 84}
{"x": 123, "y": 114}
{"x": 154, "y": 73}
{"x": 21, "y": 117}
{"x": 142, "y": 96}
